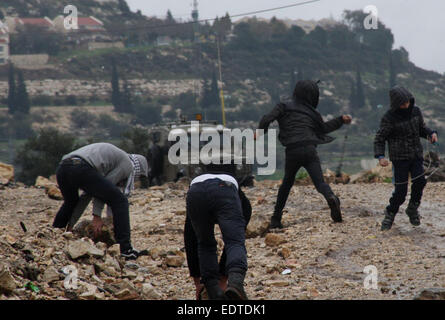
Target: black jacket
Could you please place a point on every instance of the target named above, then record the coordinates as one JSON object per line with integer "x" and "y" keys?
{"x": 401, "y": 128}
{"x": 299, "y": 122}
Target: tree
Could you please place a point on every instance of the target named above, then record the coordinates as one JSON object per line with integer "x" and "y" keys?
{"x": 360, "y": 94}
{"x": 116, "y": 99}
{"x": 170, "y": 19}
{"x": 352, "y": 97}
{"x": 123, "y": 7}
{"x": 21, "y": 97}
{"x": 11, "y": 89}
{"x": 126, "y": 99}
{"x": 392, "y": 71}
{"x": 41, "y": 154}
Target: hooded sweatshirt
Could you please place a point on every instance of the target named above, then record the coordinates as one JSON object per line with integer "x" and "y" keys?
{"x": 401, "y": 128}
{"x": 115, "y": 165}
{"x": 299, "y": 122}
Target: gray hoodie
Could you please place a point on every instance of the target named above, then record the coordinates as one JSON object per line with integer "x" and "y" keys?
{"x": 111, "y": 162}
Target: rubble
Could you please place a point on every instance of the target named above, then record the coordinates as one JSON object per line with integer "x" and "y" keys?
{"x": 322, "y": 260}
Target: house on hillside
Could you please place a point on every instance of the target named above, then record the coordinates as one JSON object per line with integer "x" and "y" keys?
{"x": 4, "y": 45}
{"x": 14, "y": 24}
{"x": 90, "y": 29}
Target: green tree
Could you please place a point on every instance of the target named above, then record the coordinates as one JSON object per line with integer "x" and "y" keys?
{"x": 21, "y": 98}
{"x": 41, "y": 154}
{"x": 11, "y": 89}
{"x": 116, "y": 99}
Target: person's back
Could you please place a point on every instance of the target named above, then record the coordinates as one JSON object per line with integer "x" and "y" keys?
{"x": 104, "y": 157}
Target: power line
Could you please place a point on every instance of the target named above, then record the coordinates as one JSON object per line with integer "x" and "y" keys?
{"x": 148, "y": 27}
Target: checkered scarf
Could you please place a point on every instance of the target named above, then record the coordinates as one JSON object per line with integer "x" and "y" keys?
{"x": 140, "y": 167}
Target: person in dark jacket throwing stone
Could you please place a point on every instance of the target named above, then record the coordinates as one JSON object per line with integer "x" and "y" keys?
{"x": 301, "y": 129}
{"x": 403, "y": 126}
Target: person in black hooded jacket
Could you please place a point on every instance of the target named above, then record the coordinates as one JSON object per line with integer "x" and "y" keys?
{"x": 403, "y": 126}
{"x": 301, "y": 129}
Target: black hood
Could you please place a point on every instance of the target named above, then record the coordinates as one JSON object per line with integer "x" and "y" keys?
{"x": 399, "y": 96}
{"x": 307, "y": 92}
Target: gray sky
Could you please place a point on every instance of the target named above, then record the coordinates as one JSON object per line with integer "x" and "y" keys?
{"x": 419, "y": 26}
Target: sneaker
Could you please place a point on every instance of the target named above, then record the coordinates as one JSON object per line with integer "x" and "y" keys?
{"x": 388, "y": 220}
{"x": 413, "y": 213}
{"x": 275, "y": 223}
{"x": 334, "y": 204}
{"x": 132, "y": 254}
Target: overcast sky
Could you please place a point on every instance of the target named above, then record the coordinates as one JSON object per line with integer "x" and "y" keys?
{"x": 419, "y": 26}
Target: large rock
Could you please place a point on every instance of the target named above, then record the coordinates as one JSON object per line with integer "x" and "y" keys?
{"x": 257, "y": 226}
{"x": 82, "y": 248}
{"x": 54, "y": 193}
{"x": 42, "y": 182}
{"x": 431, "y": 294}
{"x": 6, "y": 173}
{"x": 7, "y": 282}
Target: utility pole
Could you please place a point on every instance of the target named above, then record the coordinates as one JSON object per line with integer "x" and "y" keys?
{"x": 221, "y": 80}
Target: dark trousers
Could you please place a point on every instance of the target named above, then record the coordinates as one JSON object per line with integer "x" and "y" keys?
{"x": 72, "y": 177}
{"x": 402, "y": 169}
{"x": 296, "y": 158}
{"x": 217, "y": 202}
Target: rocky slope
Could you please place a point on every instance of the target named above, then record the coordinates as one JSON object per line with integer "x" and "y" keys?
{"x": 325, "y": 260}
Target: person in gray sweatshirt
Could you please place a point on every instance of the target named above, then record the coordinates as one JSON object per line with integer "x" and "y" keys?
{"x": 98, "y": 169}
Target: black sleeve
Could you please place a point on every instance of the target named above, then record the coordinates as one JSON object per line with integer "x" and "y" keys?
{"x": 381, "y": 137}
{"x": 191, "y": 249}
{"x": 424, "y": 131}
{"x": 333, "y": 124}
{"x": 271, "y": 117}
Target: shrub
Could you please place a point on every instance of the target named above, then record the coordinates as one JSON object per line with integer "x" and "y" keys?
{"x": 41, "y": 154}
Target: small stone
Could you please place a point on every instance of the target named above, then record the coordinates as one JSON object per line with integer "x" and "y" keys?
{"x": 277, "y": 283}
{"x": 149, "y": 292}
{"x": 431, "y": 294}
{"x": 174, "y": 261}
{"x": 284, "y": 252}
{"x": 68, "y": 235}
{"x": 7, "y": 281}
{"x": 273, "y": 239}
{"x": 50, "y": 275}
{"x": 114, "y": 250}
{"x": 54, "y": 193}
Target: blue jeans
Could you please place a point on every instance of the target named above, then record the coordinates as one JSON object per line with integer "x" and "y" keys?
{"x": 217, "y": 202}
{"x": 402, "y": 169}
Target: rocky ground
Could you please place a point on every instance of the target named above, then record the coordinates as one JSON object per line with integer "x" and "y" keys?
{"x": 322, "y": 260}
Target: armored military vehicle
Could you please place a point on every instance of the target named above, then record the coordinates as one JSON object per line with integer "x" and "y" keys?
{"x": 173, "y": 172}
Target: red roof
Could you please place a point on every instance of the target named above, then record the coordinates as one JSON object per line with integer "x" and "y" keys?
{"x": 88, "y": 21}
{"x": 36, "y": 22}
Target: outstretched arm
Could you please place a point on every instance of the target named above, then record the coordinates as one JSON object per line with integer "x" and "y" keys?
{"x": 426, "y": 132}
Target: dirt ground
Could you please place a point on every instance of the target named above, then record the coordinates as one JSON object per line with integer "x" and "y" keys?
{"x": 326, "y": 260}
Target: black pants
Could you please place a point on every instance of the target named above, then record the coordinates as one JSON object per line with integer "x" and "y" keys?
{"x": 216, "y": 202}
{"x": 401, "y": 171}
{"x": 296, "y": 158}
{"x": 72, "y": 177}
